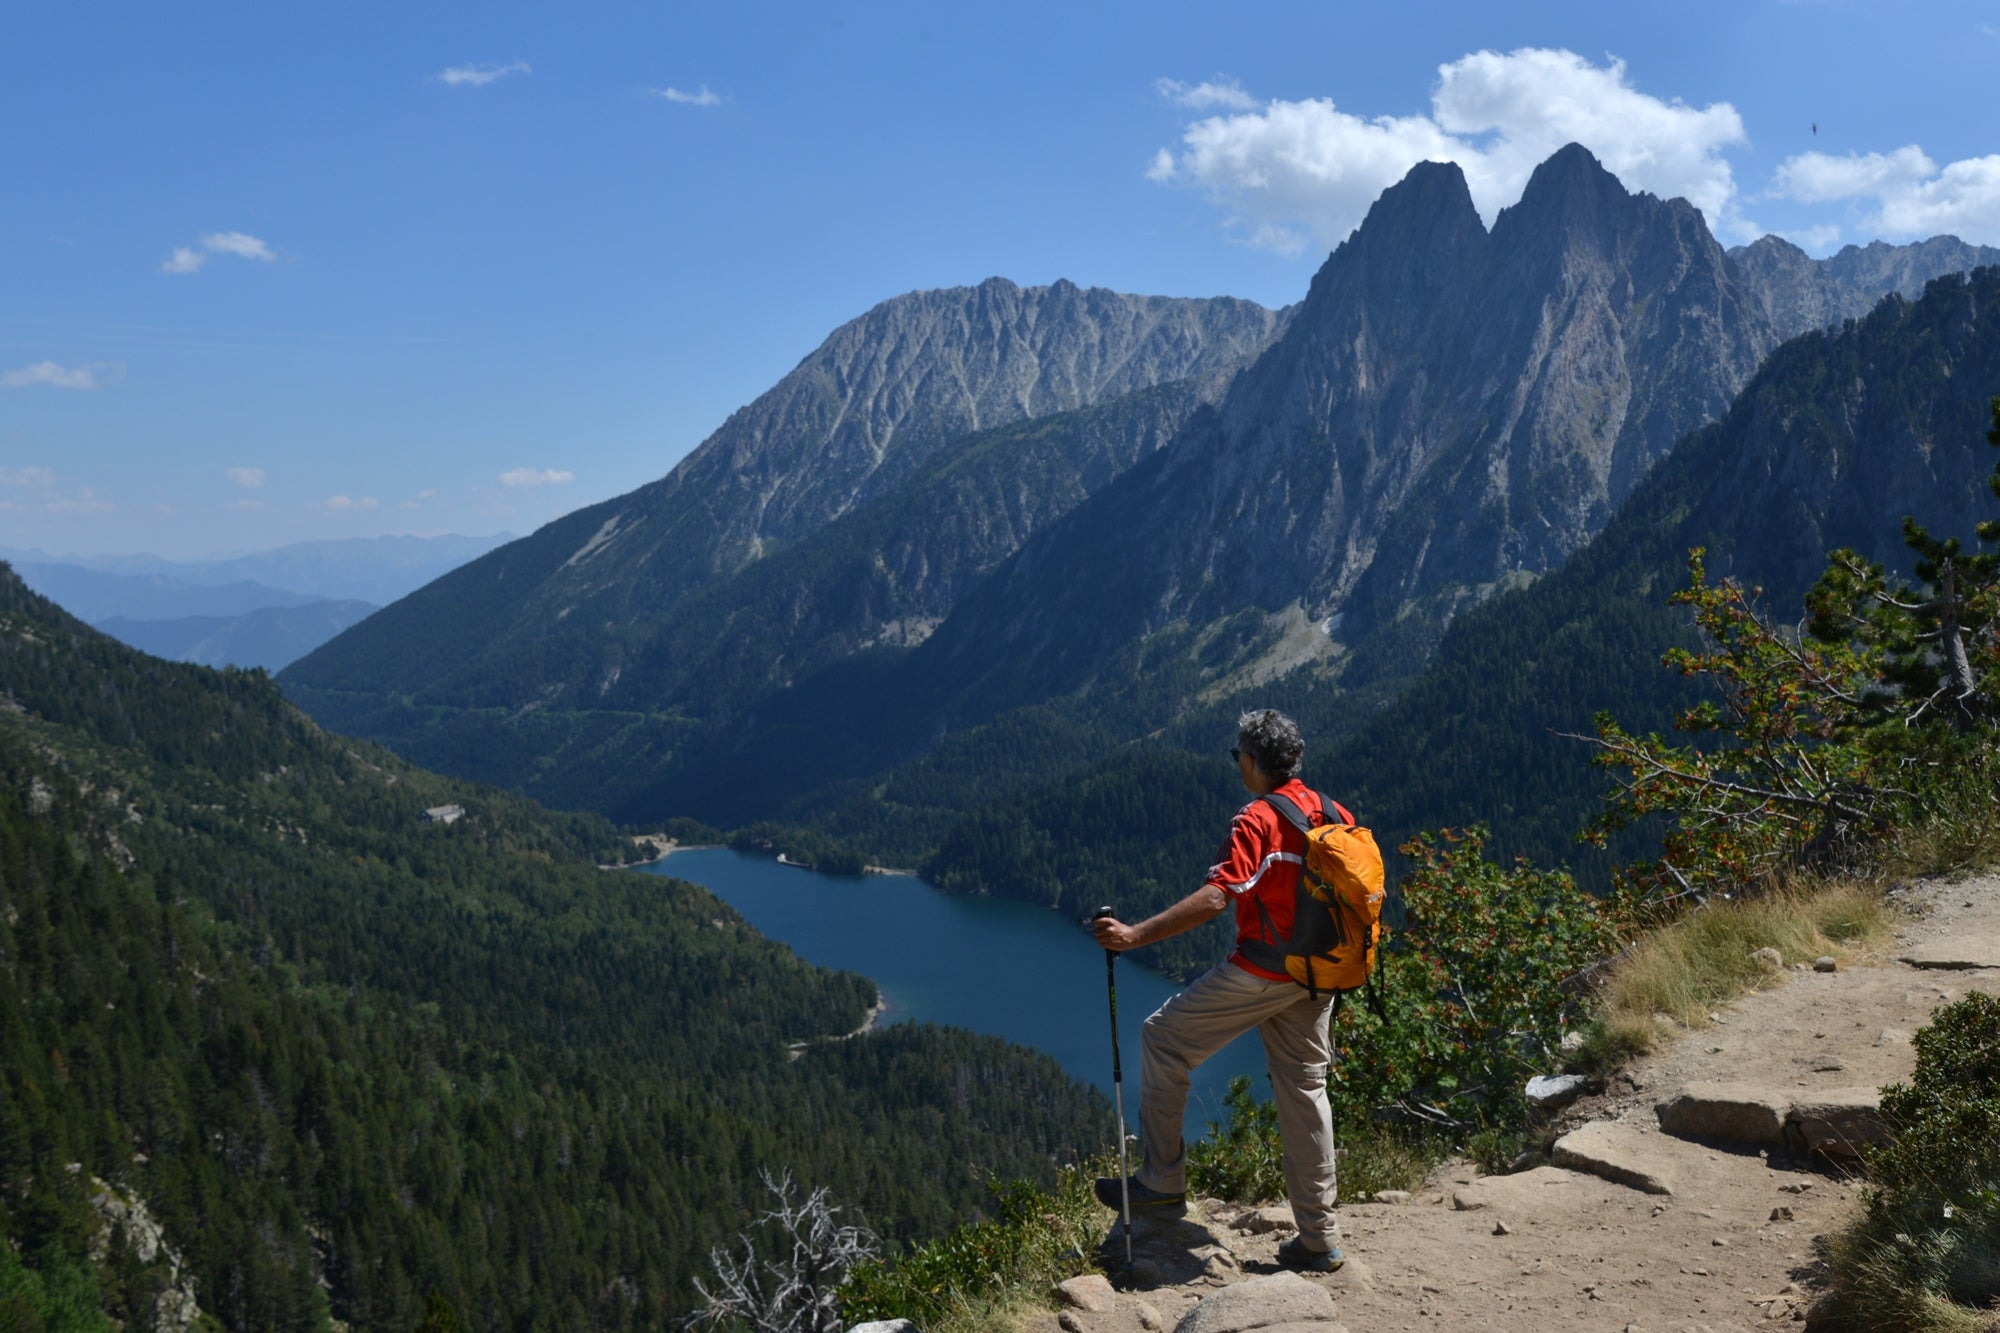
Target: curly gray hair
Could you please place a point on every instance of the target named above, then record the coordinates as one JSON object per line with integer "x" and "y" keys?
{"x": 1272, "y": 741}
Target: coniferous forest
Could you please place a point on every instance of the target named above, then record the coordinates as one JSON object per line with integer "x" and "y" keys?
{"x": 349, "y": 1065}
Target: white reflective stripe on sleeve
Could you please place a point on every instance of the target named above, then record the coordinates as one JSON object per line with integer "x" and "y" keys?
{"x": 1262, "y": 866}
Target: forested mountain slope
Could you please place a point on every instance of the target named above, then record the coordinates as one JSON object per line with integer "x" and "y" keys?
{"x": 348, "y": 1059}
{"x": 1839, "y": 436}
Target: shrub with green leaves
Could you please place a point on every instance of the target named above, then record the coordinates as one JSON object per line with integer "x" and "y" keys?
{"x": 1472, "y": 986}
{"x": 1038, "y": 1238}
{"x": 1926, "y": 1253}
{"x": 1242, "y": 1161}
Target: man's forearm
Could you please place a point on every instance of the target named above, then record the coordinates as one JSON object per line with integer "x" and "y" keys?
{"x": 1204, "y": 904}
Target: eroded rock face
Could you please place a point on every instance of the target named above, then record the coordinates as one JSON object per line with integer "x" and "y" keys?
{"x": 123, "y": 1216}
{"x": 1448, "y": 407}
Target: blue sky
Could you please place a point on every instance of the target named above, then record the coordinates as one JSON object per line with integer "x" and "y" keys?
{"x": 278, "y": 272}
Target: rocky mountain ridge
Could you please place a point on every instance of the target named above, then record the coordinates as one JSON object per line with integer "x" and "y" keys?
{"x": 837, "y": 583}
{"x": 916, "y": 395}
{"x": 1800, "y": 293}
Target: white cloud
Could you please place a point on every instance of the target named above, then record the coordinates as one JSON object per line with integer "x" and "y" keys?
{"x": 478, "y": 76}
{"x": 530, "y": 476}
{"x": 95, "y": 375}
{"x": 1816, "y": 178}
{"x": 1819, "y": 239}
{"x": 1903, "y": 194}
{"x": 85, "y": 501}
{"x": 349, "y": 502}
{"x": 246, "y": 504}
{"x": 1294, "y": 168}
{"x": 40, "y": 478}
{"x": 249, "y": 478}
{"x": 702, "y": 98}
{"x": 189, "y": 259}
{"x": 1217, "y": 92}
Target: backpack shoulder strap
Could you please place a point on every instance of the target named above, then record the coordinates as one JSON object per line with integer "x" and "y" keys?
{"x": 1329, "y": 810}
{"x": 1288, "y": 809}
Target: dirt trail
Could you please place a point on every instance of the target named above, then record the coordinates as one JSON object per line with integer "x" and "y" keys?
{"x": 1730, "y": 1247}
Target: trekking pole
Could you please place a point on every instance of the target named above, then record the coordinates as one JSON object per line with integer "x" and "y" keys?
{"x": 1118, "y": 1088}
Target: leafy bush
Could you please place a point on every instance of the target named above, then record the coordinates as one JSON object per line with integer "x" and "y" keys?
{"x": 955, "y": 1282}
{"x": 1243, "y": 1161}
{"x": 1926, "y": 1253}
{"x": 1472, "y": 987}
{"x": 1821, "y": 743}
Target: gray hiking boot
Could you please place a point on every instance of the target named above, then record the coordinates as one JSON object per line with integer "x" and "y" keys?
{"x": 1146, "y": 1201}
{"x": 1296, "y": 1255}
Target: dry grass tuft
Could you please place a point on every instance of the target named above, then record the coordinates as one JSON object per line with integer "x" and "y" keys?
{"x": 1706, "y": 958}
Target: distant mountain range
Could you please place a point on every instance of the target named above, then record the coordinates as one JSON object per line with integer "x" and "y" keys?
{"x": 365, "y": 569}
{"x": 260, "y": 610}
{"x": 984, "y": 537}
{"x": 271, "y": 637}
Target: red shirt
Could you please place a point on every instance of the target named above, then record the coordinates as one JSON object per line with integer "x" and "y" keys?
{"x": 1260, "y": 865}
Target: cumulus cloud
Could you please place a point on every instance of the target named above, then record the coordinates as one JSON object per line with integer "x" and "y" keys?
{"x": 48, "y": 374}
{"x": 191, "y": 258}
{"x": 350, "y": 502}
{"x": 703, "y": 97}
{"x": 535, "y": 476}
{"x": 1901, "y": 194}
{"x": 249, "y": 478}
{"x": 1290, "y": 171}
{"x": 478, "y": 76}
{"x": 1217, "y": 92}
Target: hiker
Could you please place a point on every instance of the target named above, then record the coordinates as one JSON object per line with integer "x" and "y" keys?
{"x": 1258, "y": 874}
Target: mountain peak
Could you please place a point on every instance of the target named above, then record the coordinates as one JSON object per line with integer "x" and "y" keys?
{"x": 1431, "y": 193}
{"x": 1424, "y": 227}
{"x": 1572, "y": 174}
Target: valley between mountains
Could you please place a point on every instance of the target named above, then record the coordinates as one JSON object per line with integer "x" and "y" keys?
{"x": 320, "y": 1012}
{"x": 985, "y": 541}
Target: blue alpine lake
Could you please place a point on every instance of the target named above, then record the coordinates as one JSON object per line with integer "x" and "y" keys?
{"x": 990, "y": 965}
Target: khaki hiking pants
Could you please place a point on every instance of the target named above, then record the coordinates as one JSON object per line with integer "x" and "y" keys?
{"x": 1222, "y": 1004}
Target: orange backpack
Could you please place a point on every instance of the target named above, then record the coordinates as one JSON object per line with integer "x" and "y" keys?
{"x": 1337, "y": 914}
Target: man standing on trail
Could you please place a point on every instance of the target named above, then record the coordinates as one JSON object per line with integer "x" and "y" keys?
{"x": 1257, "y": 872}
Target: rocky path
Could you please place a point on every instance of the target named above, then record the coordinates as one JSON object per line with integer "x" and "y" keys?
{"x": 1709, "y": 1226}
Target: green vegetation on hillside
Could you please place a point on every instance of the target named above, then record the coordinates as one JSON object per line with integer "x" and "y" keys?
{"x": 363, "y": 1066}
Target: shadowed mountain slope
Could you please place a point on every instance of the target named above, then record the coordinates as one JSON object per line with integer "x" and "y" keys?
{"x": 1839, "y": 435}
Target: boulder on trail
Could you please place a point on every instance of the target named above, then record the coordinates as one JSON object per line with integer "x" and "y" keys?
{"x": 1263, "y": 1221}
{"x": 1839, "y": 1123}
{"x": 1615, "y": 1152}
{"x": 1090, "y": 1292}
{"x": 1281, "y": 1303}
{"x": 1545, "y": 1090}
{"x": 1729, "y": 1112}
